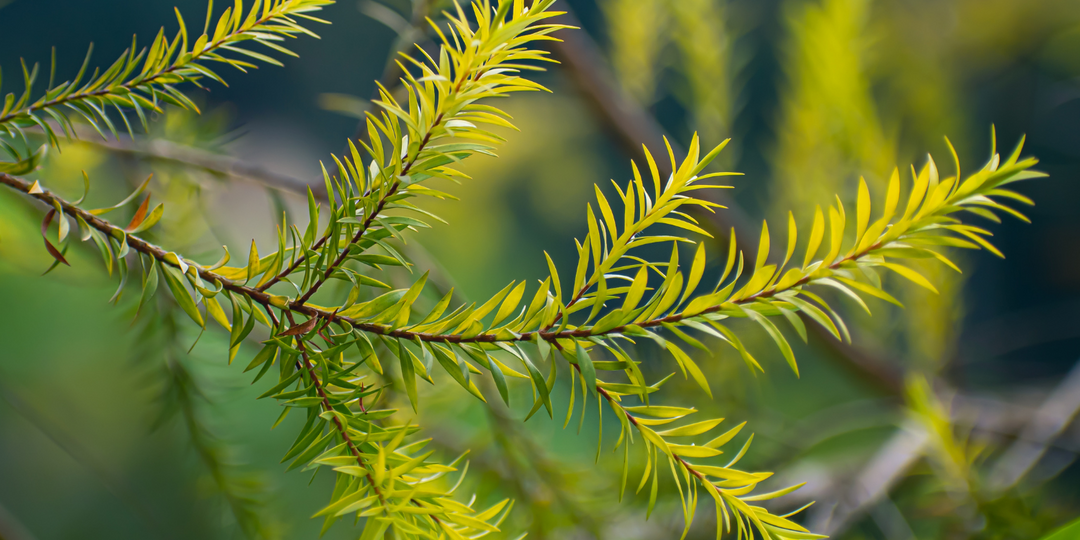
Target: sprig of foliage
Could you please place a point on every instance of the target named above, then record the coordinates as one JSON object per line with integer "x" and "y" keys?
{"x": 395, "y": 478}
{"x": 927, "y": 223}
{"x": 730, "y": 488}
{"x": 408, "y": 144}
{"x": 125, "y": 86}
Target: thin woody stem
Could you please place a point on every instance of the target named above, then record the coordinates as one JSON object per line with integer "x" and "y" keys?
{"x": 328, "y": 407}
{"x": 279, "y": 302}
{"x": 389, "y": 72}
{"x": 342, "y": 430}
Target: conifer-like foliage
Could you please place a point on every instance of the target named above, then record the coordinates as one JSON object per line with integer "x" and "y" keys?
{"x": 330, "y": 354}
{"x": 147, "y": 80}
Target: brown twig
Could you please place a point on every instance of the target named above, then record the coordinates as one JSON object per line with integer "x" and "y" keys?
{"x": 267, "y": 300}
{"x": 406, "y": 167}
{"x": 367, "y": 221}
{"x": 342, "y": 429}
{"x": 216, "y": 164}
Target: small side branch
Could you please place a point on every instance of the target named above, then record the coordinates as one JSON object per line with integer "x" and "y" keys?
{"x": 342, "y": 429}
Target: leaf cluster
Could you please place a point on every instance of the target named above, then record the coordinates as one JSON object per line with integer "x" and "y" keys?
{"x": 144, "y": 80}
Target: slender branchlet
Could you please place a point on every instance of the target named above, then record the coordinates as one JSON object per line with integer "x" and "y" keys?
{"x": 144, "y": 80}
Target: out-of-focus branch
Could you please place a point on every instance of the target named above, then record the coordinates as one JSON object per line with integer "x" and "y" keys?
{"x": 632, "y": 126}
{"x": 409, "y": 32}
{"x": 873, "y": 482}
{"x": 1049, "y": 421}
{"x": 627, "y": 121}
{"x": 1020, "y": 330}
{"x": 70, "y": 446}
{"x": 218, "y": 164}
{"x": 1037, "y": 432}
{"x": 10, "y": 527}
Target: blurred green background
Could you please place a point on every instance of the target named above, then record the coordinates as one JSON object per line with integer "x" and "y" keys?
{"x": 815, "y": 93}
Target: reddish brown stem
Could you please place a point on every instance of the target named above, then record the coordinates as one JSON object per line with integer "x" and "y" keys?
{"x": 327, "y": 406}
{"x": 264, "y": 299}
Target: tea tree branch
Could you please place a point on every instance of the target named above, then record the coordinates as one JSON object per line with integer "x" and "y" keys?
{"x": 617, "y": 293}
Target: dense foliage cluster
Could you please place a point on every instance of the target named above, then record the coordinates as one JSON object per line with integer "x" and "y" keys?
{"x": 331, "y": 353}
